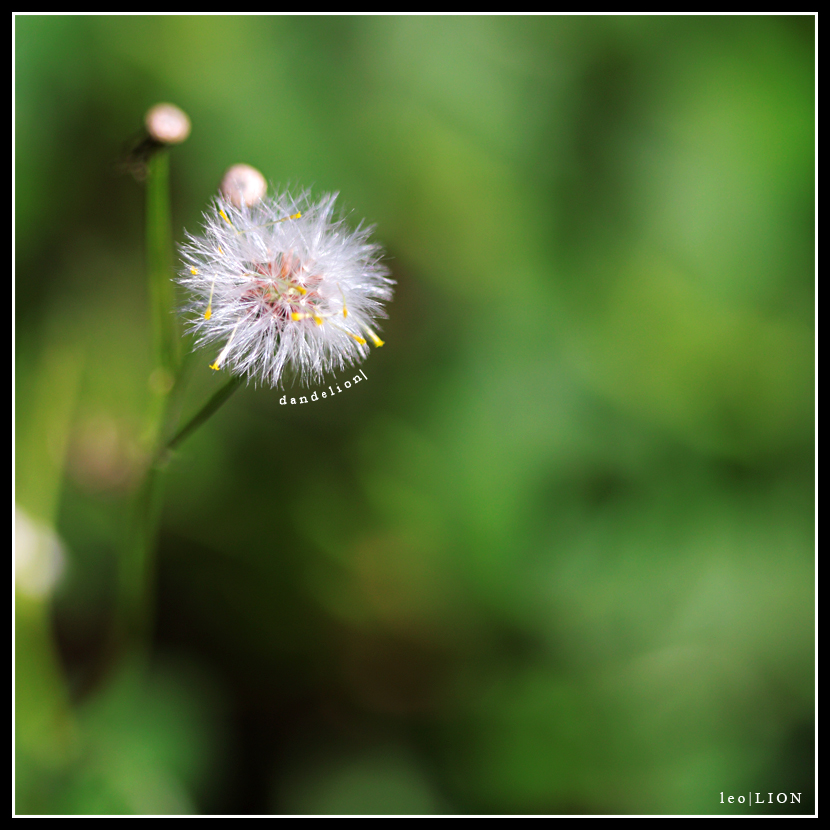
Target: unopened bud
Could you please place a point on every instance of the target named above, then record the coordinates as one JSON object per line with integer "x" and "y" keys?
{"x": 243, "y": 185}
{"x": 167, "y": 124}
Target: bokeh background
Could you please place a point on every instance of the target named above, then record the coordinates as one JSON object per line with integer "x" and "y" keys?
{"x": 556, "y": 555}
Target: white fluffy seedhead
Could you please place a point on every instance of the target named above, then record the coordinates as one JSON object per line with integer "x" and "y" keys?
{"x": 284, "y": 283}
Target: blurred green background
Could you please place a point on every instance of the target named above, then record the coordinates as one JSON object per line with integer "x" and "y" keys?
{"x": 556, "y": 556}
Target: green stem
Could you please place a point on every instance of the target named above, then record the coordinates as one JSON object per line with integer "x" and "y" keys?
{"x": 214, "y": 402}
{"x": 167, "y": 382}
{"x": 138, "y": 567}
{"x": 160, "y": 267}
{"x": 137, "y": 572}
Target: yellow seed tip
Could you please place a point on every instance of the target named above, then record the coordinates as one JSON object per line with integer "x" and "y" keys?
{"x": 225, "y": 217}
{"x": 214, "y": 366}
{"x": 194, "y": 271}
{"x": 208, "y": 314}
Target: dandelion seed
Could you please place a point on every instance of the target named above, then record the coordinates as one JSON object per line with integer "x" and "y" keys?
{"x": 283, "y": 283}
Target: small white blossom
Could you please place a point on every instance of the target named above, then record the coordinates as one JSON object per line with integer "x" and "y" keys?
{"x": 284, "y": 283}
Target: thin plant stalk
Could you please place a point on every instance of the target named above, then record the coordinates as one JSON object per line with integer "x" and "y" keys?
{"x": 211, "y": 406}
{"x": 137, "y": 576}
{"x": 167, "y": 383}
{"x": 160, "y": 265}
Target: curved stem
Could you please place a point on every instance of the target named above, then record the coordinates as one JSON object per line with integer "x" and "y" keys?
{"x": 213, "y": 404}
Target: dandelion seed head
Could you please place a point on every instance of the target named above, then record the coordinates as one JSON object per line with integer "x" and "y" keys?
{"x": 281, "y": 284}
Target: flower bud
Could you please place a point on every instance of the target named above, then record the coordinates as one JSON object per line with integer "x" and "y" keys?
{"x": 243, "y": 185}
{"x": 167, "y": 124}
